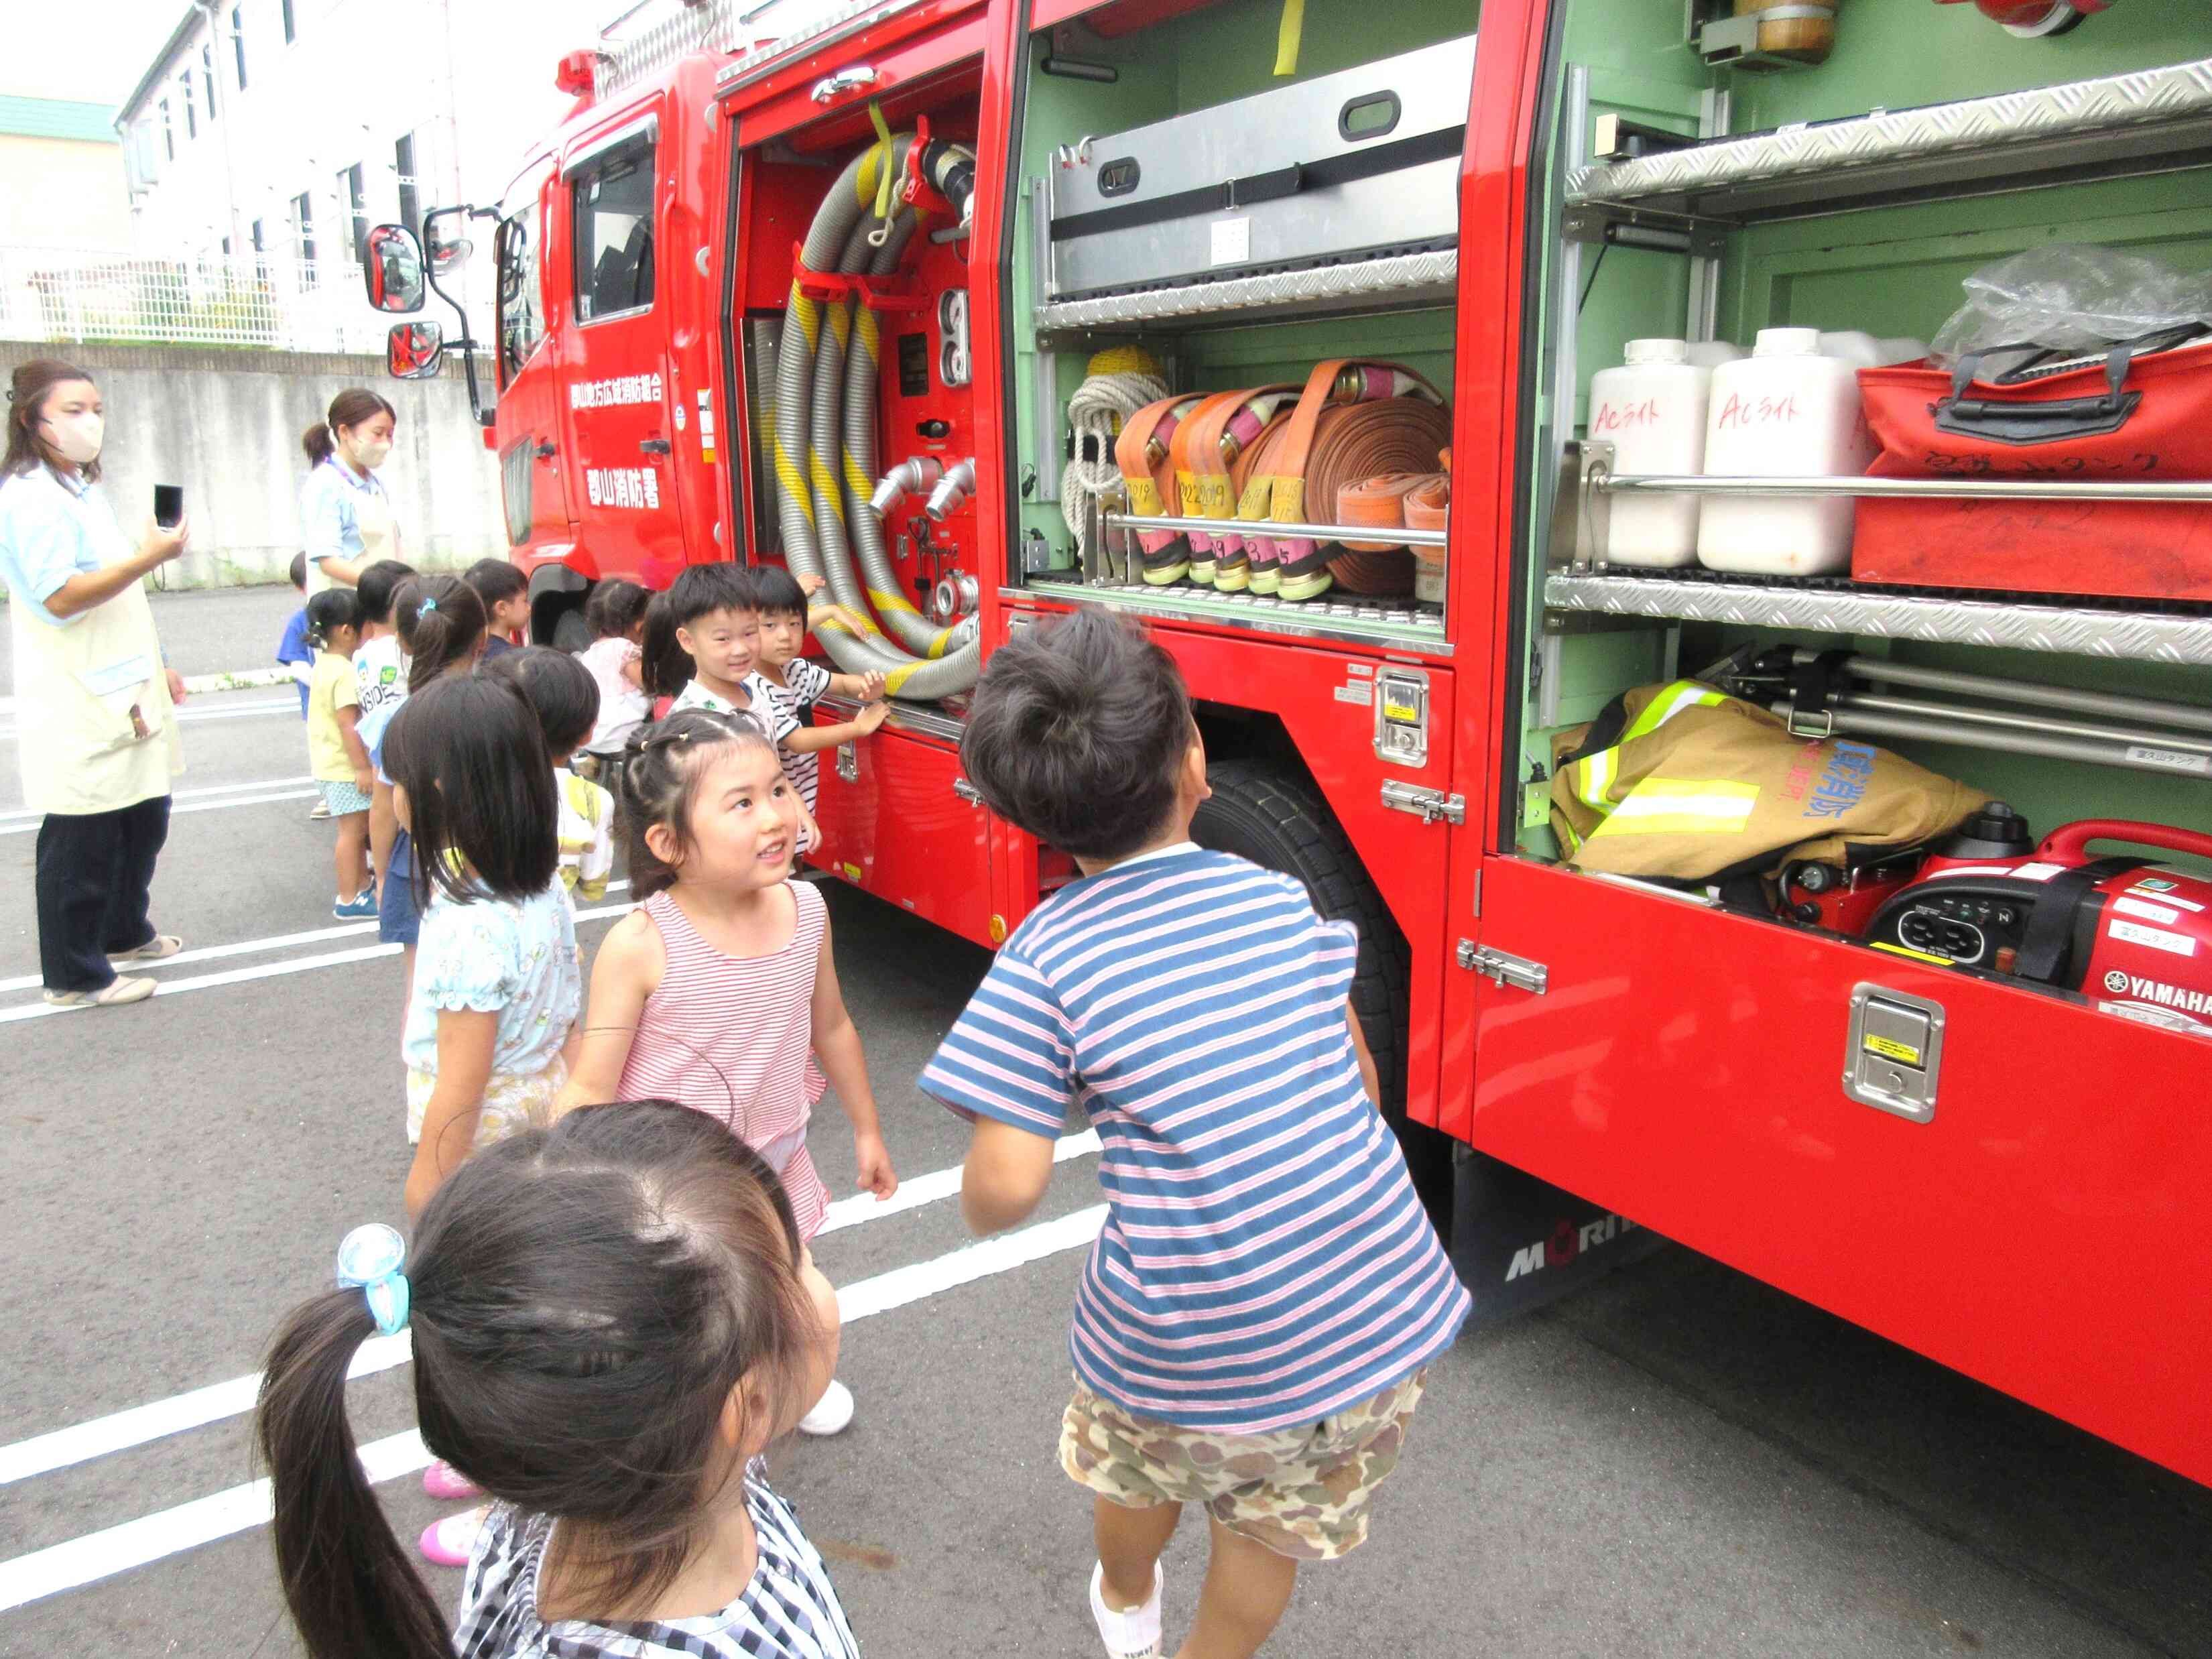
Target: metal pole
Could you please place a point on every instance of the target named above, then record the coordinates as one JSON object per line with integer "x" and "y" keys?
{"x": 2026, "y": 490}
{"x": 1872, "y": 704}
{"x": 1883, "y": 671}
{"x": 1396, "y": 535}
{"x": 1851, "y": 723}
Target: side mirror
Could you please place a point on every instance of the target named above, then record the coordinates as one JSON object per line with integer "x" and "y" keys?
{"x": 414, "y": 351}
{"x": 394, "y": 269}
{"x": 449, "y": 255}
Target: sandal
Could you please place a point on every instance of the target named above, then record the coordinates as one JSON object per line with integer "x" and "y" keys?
{"x": 159, "y": 948}
{"x": 114, "y": 994}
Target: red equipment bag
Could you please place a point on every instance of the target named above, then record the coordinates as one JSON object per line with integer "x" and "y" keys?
{"x": 2143, "y": 412}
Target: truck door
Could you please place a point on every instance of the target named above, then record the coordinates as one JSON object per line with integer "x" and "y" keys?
{"x": 533, "y": 480}
{"x": 615, "y": 358}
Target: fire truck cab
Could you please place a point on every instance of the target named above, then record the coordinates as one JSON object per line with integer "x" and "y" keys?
{"x": 878, "y": 300}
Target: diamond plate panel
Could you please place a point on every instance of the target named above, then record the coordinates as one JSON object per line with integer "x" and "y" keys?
{"x": 1397, "y": 275}
{"x": 2078, "y": 109}
{"x": 2142, "y": 636}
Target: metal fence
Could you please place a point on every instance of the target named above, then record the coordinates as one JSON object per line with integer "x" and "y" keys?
{"x": 278, "y": 303}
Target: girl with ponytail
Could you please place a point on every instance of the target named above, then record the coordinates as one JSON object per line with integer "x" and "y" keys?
{"x": 345, "y": 516}
{"x": 611, "y": 1319}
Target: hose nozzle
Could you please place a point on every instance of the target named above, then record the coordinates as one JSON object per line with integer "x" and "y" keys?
{"x": 909, "y": 478}
{"x": 954, "y": 488}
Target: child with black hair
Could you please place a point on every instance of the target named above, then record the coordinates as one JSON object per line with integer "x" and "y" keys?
{"x": 338, "y": 758}
{"x": 379, "y": 669}
{"x": 560, "y": 689}
{"x": 720, "y": 989}
{"x": 795, "y": 684}
{"x": 1253, "y": 1329}
{"x": 438, "y": 622}
{"x": 663, "y": 665}
{"x": 616, "y": 615}
{"x": 505, "y": 595}
{"x": 635, "y": 1244}
{"x": 716, "y": 610}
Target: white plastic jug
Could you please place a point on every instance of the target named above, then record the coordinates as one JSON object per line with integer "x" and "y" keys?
{"x": 1859, "y": 349}
{"x": 1652, "y": 410}
{"x": 1785, "y": 411}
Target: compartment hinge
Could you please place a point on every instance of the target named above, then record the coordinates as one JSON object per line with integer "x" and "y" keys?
{"x": 1430, "y": 806}
{"x": 966, "y": 791}
{"x": 1509, "y": 971}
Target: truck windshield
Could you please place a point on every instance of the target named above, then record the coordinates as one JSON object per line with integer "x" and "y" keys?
{"x": 614, "y": 231}
{"x": 521, "y": 251}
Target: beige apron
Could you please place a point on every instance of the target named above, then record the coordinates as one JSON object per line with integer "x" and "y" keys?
{"x": 378, "y": 530}
{"x": 74, "y": 688}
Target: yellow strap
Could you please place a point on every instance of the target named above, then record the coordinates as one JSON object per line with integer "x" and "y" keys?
{"x": 884, "y": 138}
{"x": 1286, "y": 41}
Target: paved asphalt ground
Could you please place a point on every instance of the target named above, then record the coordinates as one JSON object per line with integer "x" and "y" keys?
{"x": 1678, "y": 1461}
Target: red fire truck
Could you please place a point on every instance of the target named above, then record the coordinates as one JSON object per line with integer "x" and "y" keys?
{"x": 884, "y": 299}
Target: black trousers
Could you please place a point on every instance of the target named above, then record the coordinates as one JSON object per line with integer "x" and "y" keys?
{"x": 95, "y": 871}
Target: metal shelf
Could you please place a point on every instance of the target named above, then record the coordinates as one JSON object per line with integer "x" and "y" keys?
{"x": 1353, "y": 622}
{"x": 1836, "y": 606}
{"x": 2157, "y": 120}
{"x": 1394, "y": 282}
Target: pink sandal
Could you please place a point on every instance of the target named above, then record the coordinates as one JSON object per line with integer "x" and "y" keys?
{"x": 450, "y": 1542}
{"x": 442, "y": 1480}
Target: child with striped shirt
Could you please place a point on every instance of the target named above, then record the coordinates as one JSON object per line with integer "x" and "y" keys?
{"x": 795, "y": 682}
{"x": 1252, "y": 1328}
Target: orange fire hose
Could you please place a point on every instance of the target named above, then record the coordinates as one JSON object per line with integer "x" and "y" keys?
{"x": 1213, "y": 453}
{"x": 1142, "y": 452}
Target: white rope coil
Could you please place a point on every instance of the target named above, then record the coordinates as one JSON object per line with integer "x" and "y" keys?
{"x": 1095, "y": 413}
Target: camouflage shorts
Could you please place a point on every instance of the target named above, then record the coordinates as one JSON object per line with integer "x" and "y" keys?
{"x": 1303, "y": 1493}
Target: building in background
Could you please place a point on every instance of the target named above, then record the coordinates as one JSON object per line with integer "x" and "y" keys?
{"x": 285, "y": 128}
{"x": 61, "y": 175}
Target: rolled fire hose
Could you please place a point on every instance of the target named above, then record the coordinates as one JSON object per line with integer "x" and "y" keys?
{"x": 1120, "y": 382}
{"x": 1380, "y": 502}
{"x": 811, "y": 416}
{"x": 1148, "y": 474}
{"x": 1355, "y": 420}
{"x": 1429, "y": 508}
{"x": 1213, "y": 453}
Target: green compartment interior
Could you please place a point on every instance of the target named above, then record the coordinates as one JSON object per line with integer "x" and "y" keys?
{"x": 1190, "y": 63}
{"x": 1894, "y": 270}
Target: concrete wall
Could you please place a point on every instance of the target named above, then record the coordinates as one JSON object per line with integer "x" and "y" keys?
{"x": 226, "y": 425}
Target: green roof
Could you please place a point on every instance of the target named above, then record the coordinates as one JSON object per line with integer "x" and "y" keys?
{"x": 57, "y": 118}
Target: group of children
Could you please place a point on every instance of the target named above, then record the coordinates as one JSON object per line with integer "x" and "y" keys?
{"x": 614, "y": 1307}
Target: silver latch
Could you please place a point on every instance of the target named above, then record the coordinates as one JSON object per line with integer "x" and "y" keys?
{"x": 966, "y": 791}
{"x": 1507, "y": 970}
{"x": 1401, "y": 716}
{"x": 835, "y": 87}
{"x": 1895, "y": 1052}
{"x": 1430, "y": 806}
{"x": 848, "y": 762}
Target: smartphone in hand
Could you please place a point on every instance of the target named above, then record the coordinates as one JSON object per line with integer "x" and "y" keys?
{"x": 168, "y": 505}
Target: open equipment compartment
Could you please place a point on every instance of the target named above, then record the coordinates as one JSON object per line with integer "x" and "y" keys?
{"x": 1182, "y": 211}
{"x": 1826, "y": 216}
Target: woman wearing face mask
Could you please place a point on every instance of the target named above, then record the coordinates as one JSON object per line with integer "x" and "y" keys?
{"x": 94, "y": 724}
{"x": 344, "y": 515}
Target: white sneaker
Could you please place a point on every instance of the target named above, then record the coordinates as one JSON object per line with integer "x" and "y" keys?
{"x": 832, "y": 1414}
{"x": 1132, "y": 1635}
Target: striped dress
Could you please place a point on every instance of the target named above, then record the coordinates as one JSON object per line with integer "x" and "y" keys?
{"x": 733, "y": 1036}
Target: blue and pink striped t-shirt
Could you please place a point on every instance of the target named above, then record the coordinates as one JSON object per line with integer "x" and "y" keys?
{"x": 1265, "y": 1261}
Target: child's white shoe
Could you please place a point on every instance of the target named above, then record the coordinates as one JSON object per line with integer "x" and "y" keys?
{"x": 832, "y": 1414}
{"x": 1132, "y": 1635}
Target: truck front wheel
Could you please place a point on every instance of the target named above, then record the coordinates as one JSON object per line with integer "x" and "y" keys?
{"x": 1279, "y": 822}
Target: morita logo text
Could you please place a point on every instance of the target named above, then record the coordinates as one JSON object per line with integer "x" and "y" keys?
{"x": 1566, "y": 1243}
{"x": 2158, "y": 993}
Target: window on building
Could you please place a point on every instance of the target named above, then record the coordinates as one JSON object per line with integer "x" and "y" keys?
{"x": 226, "y": 247}
{"x": 303, "y": 234}
{"x": 351, "y": 192}
{"x": 291, "y": 30}
{"x": 207, "y": 77}
{"x": 238, "y": 44}
{"x": 169, "y": 131}
{"x": 614, "y": 230}
{"x": 192, "y": 104}
{"x": 410, "y": 191}
{"x": 260, "y": 238}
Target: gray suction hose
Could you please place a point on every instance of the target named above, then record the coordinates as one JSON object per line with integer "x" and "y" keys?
{"x": 818, "y": 403}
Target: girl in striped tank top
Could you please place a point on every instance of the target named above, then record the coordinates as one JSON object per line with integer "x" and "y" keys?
{"x": 719, "y": 990}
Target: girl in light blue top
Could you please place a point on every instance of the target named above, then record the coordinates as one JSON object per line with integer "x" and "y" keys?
{"x": 345, "y": 516}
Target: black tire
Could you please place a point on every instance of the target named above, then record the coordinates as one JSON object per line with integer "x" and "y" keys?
{"x": 569, "y": 631}
{"x": 1279, "y": 822}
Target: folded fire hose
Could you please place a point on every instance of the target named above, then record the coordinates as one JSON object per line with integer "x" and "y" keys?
{"x": 1255, "y": 454}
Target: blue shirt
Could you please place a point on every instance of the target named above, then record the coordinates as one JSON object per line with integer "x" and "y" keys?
{"x": 293, "y": 648}
{"x": 330, "y": 510}
{"x": 54, "y": 527}
{"x": 1265, "y": 1261}
{"x": 516, "y": 957}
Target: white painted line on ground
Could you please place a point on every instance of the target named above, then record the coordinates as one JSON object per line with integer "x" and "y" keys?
{"x": 16, "y": 814}
{"x": 273, "y": 942}
{"x": 266, "y": 970}
{"x": 120, "y": 1430}
{"x": 31, "y": 828}
{"x": 169, "y": 1532}
{"x": 189, "y": 715}
{"x": 241, "y": 679}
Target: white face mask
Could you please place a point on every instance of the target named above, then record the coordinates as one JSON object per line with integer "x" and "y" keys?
{"x": 369, "y": 453}
{"x": 77, "y": 437}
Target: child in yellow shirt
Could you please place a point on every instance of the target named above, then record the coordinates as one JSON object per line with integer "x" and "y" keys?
{"x": 336, "y": 753}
